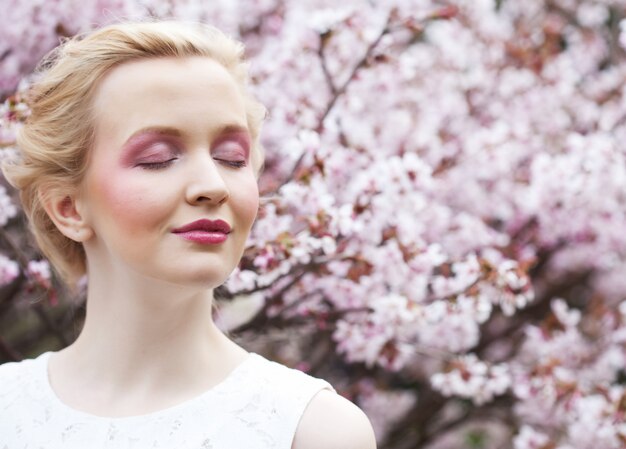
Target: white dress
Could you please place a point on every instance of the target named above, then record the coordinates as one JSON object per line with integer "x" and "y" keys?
{"x": 257, "y": 406}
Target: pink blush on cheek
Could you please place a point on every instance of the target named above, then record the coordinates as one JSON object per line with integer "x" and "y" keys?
{"x": 131, "y": 207}
{"x": 246, "y": 198}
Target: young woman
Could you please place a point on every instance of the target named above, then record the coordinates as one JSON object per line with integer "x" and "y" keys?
{"x": 139, "y": 169}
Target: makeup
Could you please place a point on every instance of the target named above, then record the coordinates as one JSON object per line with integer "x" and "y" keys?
{"x": 204, "y": 238}
{"x": 179, "y": 126}
{"x": 150, "y": 145}
{"x": 204, "y": 231}
{"x": 232, "y": 144}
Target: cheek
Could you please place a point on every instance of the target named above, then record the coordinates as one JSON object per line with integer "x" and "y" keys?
{"x": 245, "y": 198}
{"x": 128, "y": 205}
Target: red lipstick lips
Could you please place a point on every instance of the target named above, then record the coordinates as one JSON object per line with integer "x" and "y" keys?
{"x": 204, "y": 231}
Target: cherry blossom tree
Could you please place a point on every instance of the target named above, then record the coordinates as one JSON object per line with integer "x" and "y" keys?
{"x": 441, "y": 229}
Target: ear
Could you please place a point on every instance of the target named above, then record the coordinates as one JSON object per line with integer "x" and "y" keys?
{"x": 66, "y": 212}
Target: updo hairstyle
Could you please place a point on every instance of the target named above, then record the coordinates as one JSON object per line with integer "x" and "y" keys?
{"x": 56, "y": 137}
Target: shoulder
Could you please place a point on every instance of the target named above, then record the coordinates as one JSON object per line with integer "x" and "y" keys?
{"x": 332, "y": 422}
{"x": 307, "y": 412}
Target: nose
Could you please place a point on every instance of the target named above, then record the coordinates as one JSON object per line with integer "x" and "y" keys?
{"x": 205, "y": 183}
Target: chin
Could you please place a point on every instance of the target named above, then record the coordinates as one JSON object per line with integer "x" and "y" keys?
{"x": 202, "y": 279}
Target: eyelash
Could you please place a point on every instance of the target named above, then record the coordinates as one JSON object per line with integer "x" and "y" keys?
{"x": 155, "y": 165}
{"x": 234, "y": 164}
{"x": 164, "y": 164}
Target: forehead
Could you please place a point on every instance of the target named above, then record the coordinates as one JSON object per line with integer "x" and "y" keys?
{"x": 188, "y": 93}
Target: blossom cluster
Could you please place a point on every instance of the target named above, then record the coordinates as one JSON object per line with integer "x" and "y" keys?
{"x": 474, "y": 379}
{"x": 444, "y": 195}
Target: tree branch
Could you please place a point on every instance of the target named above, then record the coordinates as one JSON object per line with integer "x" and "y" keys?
{"x": 337, "y": 91}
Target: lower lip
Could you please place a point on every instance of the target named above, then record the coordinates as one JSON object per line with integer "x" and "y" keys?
{"x": 203, "y": 237}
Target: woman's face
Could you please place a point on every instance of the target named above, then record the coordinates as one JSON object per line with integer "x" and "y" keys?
{"x": 171, "y": 148}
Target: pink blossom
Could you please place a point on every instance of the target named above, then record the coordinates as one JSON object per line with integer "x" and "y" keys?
{"x": 529, "y": 438}
{"x": 39, "y": 271}
{"x": 9, "y": 270}
{"x": 449, "y": 206}
{"x": 473, "y": 379}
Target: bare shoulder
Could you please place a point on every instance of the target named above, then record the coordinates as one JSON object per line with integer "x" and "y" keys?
{"x": 332, "y": 422}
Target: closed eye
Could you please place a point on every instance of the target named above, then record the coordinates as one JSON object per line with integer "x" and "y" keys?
{"x": 234, "y": 164}
{"x": 156, "y": 165}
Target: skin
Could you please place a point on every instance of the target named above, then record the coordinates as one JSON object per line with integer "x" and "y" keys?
{"x": 171, "y": 147}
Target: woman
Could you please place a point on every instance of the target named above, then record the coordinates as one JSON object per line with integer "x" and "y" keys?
{"x": 140, "y": 161}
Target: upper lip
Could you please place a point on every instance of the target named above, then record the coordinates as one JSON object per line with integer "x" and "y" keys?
{"x": 206, "y": 226}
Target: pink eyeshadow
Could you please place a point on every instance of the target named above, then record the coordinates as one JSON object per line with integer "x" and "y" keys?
{"x": 136, "y": 145}
{"x": 240, "y": 137}
{"x": 141, "y": 141}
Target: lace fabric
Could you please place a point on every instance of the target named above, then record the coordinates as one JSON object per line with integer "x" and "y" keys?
{"x": 259, "y": 405}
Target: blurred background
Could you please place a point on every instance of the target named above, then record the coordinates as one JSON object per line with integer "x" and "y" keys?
{"x": 442, "y": 230}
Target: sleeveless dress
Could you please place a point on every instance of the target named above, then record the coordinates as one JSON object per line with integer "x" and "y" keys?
{"x": 257, "y": 406}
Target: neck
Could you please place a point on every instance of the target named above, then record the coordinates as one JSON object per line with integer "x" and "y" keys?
{"x": 138, "y": 328}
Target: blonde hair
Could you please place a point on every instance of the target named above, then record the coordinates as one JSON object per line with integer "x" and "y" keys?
{"x": 56, "y": 137}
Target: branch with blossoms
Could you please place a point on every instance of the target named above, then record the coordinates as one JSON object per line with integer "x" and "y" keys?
{"x": 394, "y": 22}
{"x": 442, "y": 230}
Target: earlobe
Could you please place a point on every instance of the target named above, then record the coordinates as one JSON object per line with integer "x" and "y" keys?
{"x": 65, "y": 213}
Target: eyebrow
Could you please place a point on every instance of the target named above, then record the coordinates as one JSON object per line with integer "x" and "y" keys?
{"x": 170, "y": 131}
{"x": 166, "y": 130}
{"x": 229, "y": 129}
